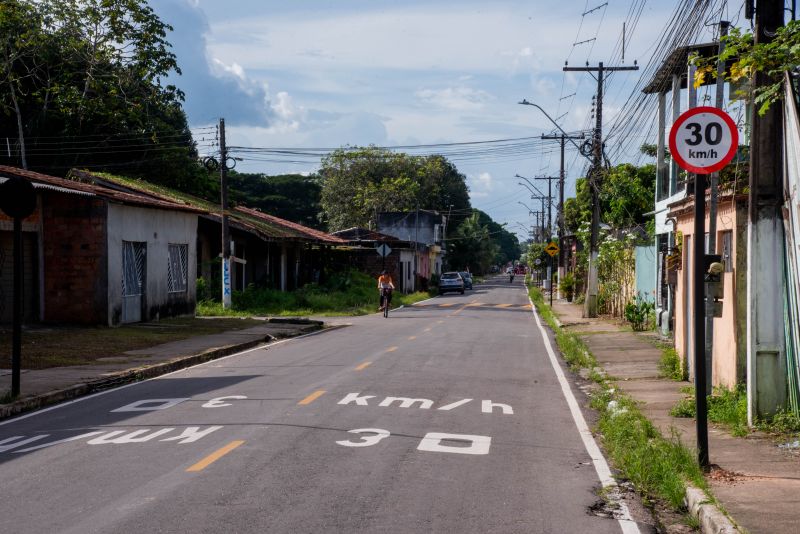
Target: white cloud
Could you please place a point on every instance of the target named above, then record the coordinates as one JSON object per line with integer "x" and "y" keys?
{"x": 480, "y": 185}
{"x": 454, "y": 97}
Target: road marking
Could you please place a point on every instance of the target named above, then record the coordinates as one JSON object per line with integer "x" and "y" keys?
{"x": 447, "y": 304}
{"x": 363, "y": 366}
{"x": 427, "y": 329}
{"x": 412, "y": 338}
{"x": 626, "y": 523}
{"x": 311, "y": 398}
{"x": 439, "y": 322}
{"x": 214, "y": 456}
{"x": 502, "y": 305}
{"x": 391, "y": 349}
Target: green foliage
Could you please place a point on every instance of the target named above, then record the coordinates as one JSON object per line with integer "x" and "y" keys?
{"x": 780, "y": 55}
{"x": 508, "y": 248}
{"x": 670, "y": 364}
{"x": 568, "y": 283}
{"x": 358, "y": 183}
{"x": 472, "y": 245}
{"x": 727, "y": 407}
{"x": 89, "y": 74}
{"x": 344, "y": 293}
{"x": 640, "y": 313}
{"x": 684, "y": 408}
{"x": 784, "y": 422}
{"x": 292, "y": 197}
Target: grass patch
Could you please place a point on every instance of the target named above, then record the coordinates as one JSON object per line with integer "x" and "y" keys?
{"x": 350, "y": 293}
{"x": 670, "y": 364}
{"x": 726, "y": 407}
{"x": 62, "y": 346}
{"x": 657, "y": 466}
{"x": 781, "y": 423}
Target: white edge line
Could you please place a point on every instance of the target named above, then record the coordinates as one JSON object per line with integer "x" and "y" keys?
{"x": 626, "y": 523}
{"x": 99, "y": 393}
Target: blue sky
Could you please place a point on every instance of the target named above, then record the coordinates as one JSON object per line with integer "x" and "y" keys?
{"x": 356, "y": 72}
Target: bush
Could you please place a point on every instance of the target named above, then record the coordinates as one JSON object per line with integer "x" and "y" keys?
{"x": 670, "y": 364}
{"x": 568, "y": 286}
{"x": 639, "y": 312}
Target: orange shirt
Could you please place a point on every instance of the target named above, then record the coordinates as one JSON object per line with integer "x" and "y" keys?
{"x": 385, "y": 281}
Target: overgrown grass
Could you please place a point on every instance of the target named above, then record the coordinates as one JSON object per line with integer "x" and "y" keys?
{"x": 658, "y": 467}
{"x": 350, "y": 293}
{"x": 670, "y": 364}
{"x": 726, "y": 407}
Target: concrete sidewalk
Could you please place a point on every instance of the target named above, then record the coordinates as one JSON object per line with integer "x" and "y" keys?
{"x": 757, "y": 482}
{"x": 50, "y": 386}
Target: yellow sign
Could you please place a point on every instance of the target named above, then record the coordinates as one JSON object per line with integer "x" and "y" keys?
{"x": 551, "y": 249}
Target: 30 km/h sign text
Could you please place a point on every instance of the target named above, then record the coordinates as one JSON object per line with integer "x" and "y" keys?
{"x": 703, "y": 140}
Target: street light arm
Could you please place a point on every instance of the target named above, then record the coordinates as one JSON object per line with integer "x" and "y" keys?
{"x": 560, "y": 129}
{"x": 531, "y": 184}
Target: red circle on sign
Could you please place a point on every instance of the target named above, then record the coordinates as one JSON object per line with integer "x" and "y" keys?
{"x": 679, "y": 159}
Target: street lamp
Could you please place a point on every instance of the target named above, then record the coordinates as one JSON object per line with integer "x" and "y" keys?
{"x": 560, "y": 129}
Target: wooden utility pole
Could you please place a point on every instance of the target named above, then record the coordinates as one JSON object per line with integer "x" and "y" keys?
{"x": 766, "y": 347}
{"x": 595, "y": 181}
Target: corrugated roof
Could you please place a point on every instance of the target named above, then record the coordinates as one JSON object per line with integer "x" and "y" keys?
{"x": 64, "y": 185}
{"x": 363, "y": 234}
{"x": 266, "y": 226}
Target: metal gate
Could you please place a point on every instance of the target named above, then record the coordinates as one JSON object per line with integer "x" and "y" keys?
{"x": 134, "y": 261}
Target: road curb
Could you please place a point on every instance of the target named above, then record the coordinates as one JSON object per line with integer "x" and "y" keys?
{"x": 711, "y": 518}
{"x": 136, "y": 374}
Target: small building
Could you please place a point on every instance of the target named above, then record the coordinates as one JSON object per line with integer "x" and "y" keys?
{"x": 729, "y": 358}
{"x": 363, "y": 255}
{"x": 94, "y": 255}
{"x": 424, "y": 230}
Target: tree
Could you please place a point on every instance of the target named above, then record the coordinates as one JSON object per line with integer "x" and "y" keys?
{"x": 508, "y": 248}
{"x": 85, "y": 85}
{"x": 471, "y": 245}
{"x": 293, "y": 197}
{"x": 359, "y": 183}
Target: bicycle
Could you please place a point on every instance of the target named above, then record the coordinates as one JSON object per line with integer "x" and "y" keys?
{"x": 386, "y": 295}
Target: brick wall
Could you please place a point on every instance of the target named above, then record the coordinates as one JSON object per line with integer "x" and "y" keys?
{"x": 74, "y": 258}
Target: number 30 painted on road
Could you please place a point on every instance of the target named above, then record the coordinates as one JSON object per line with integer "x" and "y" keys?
{"x": 432, "y": 442}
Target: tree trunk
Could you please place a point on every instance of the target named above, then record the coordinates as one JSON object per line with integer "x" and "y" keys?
{"x": 20, "y": 131}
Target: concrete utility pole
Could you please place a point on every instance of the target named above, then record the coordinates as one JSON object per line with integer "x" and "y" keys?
{"x": 226, "y": 240}
{"x": 595, "y": 181}
{"x": 766, "y": 348}
{"x": 560, "y": 218}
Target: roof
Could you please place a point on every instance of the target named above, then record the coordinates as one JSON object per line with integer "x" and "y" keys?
{"x": 267, "y": 227}
{"x": 363, "y": 234}
{"x": 61, "y": 185}
{"x": 676, "y": 63}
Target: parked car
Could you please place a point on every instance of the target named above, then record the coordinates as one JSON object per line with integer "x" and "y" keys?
{"x": 451, "y": 281}
{"x": 467, "y": 277}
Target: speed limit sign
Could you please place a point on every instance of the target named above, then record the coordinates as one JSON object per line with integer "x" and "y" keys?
{"x": 703, "y": 140}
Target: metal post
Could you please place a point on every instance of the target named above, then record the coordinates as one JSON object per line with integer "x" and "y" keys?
{"x": 699, "y": 318}
{"x": 16, "y": 329}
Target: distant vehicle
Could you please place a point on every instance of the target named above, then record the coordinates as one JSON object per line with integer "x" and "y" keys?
{"x": 451, "y": 281}
{"x": 467, "y": 277}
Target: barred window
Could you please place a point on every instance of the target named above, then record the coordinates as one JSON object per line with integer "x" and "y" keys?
{"x": 178, "y": 271}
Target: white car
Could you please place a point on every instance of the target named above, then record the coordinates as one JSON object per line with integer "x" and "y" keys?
{"x": 451, "y": 281}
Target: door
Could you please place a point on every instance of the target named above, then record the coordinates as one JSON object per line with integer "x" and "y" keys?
{"x": 134, "y": 260}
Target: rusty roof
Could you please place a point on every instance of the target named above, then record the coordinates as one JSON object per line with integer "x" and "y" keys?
{"x": 65, "y": 185}
{"x": 676, "y": 63}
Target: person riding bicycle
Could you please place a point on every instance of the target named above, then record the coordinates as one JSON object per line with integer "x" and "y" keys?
{"x": 385, "y": 287}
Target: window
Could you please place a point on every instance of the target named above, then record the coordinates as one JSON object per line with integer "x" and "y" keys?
{"x": 726, "y": 241}
{"x": 178, "y": 271}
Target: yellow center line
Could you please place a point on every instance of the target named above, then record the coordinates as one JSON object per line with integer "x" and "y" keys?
{"x": 427, "y": 329}
{"x": 391, "y": 349}
{"x": 412, "y": 338}
{"x": 311, "y": 398}
{"x": 439, "y": 322}
{"x": 363, "y": 366}
{"x": 502, "y": 305}
{"x": 213, "y": 457}
{"x": 447, "y": 304}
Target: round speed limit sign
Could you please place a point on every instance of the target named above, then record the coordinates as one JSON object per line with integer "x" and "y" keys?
{"x": 703, "y": 140}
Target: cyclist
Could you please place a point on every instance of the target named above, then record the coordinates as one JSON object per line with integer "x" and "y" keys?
{"x": 385, "y": 287}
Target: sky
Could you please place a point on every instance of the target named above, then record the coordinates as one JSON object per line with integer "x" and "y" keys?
{"x": 327, "y": 74}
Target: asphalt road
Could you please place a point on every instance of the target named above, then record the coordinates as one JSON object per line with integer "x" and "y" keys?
{"x": 446, "y": 417}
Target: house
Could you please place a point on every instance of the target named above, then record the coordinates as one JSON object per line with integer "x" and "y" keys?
{"x": 94, "y": 255}
{"x": 424, "y": 230}
{"x": 266, "y": 251}
{"x": 729, "y": 358}
{"x": 363, "y": 255}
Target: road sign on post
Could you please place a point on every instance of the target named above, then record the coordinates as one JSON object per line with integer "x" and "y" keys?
{"x": 703, "y": 140}
{"x": 383, "y": 250}
{"x": 551, "y": 249}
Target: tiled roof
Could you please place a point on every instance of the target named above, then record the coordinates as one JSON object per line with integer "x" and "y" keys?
{"x": 363, "y": 234}
{"x": 266, "y": 226}
{"x": 64, "y": 185}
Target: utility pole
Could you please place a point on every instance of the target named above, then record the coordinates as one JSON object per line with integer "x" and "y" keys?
{"x": 595, "y": 181}
{"x": 226, "y": 241}
{"x": 712, "y": 210}
{"x": 560, "y": 219}
{"x": 766, "y": 345}
{"x": 549, "y": 235}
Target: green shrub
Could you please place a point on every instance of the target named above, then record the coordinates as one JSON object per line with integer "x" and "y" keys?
{"x": 639, "y": 313}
